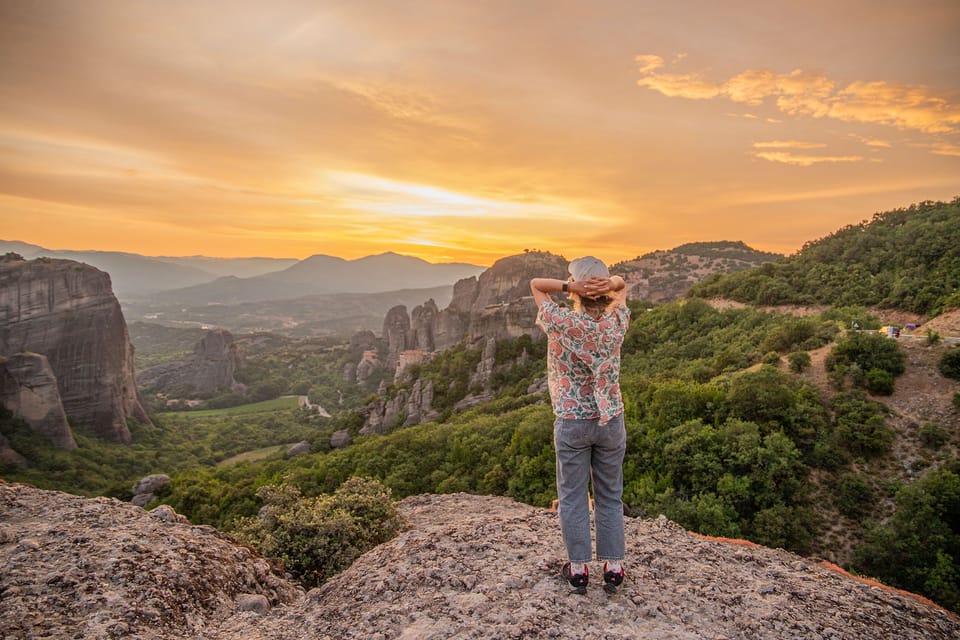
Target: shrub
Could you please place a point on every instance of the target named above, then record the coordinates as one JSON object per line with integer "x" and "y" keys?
{"x": 771, "y": 357}
{"x": 950, "y": 364}
{"x": 321, "y": 536}
{"x": 860, "y": 426}
{"x": 933, "y": 436}
{"x": 853, "y": 496}
{"x": 859, "y": 354}
{"x": 799, "y": 360}
{"x": 879, "y": 382}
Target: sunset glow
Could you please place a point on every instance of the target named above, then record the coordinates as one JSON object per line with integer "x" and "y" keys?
{"x": 468, "y": 131}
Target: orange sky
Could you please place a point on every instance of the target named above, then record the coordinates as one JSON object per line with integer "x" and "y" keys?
{"x": 468, "y": 131}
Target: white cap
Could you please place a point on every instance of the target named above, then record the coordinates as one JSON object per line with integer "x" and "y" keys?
{"x": 588, "y": 267}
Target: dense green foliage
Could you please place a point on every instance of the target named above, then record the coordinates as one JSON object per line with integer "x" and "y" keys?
{"x": 176, "y": 441}
{"x": 869, "y": 360}
{"x": 905, "y": 259}
{"x": 318, "y": 537}
{"x": 919, "y": 549}
{"x": 950, "y": 364}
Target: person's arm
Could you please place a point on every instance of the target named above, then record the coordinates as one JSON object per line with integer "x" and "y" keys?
{"x": 543, "y": 287}
{"x": 614, "y": 286}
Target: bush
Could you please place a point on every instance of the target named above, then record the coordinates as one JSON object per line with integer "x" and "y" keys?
{"x": 799, "y": 360}
{"x": 879, "y": 382}
{"x": 950, "y": 364}
{"x": 933, "y": 436}
{"x": 861, "y": 355}
{"x": 318, "y": 537}
{"x": 771, "y": 357}
{"x": 853, "y": 496}
{"x": 860, "y": 427}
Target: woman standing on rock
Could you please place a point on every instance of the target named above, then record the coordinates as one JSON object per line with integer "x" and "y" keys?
{"x": 583, "y": 373}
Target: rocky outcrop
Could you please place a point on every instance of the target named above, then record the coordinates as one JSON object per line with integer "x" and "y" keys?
{"x": 73, "y": 567}
{"x": 28, "y": 388}
{"x": 212, "y": 366}
{"x": 498, "y": 304}
{"x": 495, "y": 306}
{"x": 396, "y": 326}
{"x": 465, "y": 566}
{"x": 408, "y": 407}
{"x": 145, "y": 491}
{"x": 67, "y": 312}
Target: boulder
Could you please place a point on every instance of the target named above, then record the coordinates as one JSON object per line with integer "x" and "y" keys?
{"x": 340, "y": 439}
{"x": 298, "y": 449}
{"x": 150, "y": 484}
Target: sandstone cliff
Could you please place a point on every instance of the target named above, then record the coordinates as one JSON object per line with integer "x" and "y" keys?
{"x": 464, "y": 567}
{"x": 212, "y": 365}
{"x": 28, "y": 388}
{"x": 67, "y": 311}
{"x": 496, "y": 305}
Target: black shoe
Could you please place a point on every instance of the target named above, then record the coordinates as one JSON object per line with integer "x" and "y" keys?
{"x": 611, "y": 580}
{"x": 577, "y": 581}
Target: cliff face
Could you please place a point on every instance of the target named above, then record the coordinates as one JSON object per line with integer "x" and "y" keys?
{"x": 464, "y": 566}
{"x": 28, "y": 388}
{"x": 212, "y": 365}
{"x": 495, "y": 306}
{"x": 67, "y": 311}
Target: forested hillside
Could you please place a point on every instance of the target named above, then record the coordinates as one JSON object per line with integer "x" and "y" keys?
{"x": 907, "y": 259}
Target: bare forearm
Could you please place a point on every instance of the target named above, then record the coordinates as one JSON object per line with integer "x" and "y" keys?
{"x": 546, "y": 285}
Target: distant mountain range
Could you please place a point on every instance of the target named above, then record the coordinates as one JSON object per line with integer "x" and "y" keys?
{"x": 204, "y": 280}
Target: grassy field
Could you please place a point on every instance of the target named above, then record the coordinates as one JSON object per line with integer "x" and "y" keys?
{"x": 256, "y": 454}
{"x": 277, "y": 404}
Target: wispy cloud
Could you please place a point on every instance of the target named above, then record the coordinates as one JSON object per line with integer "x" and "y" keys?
{"x": 945, "y": 149}
{"x": 813, "y": 94}
{"x": 788, "y": 144}
{"x": 787, "y": 157}
{"x": 872, "y": 142}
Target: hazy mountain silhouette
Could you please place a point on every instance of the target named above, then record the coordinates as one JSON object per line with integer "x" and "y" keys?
{"x": 132, "y": 274}
{"x": 323, "y": 274}
{"x": 202, "y": 279}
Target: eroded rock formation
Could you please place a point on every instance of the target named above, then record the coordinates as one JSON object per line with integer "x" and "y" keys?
{"x": 67, "y": 312}
{"x": 28, "y": 388}
{"x": 495, "y": 306}
{"x": 212, "y": 366}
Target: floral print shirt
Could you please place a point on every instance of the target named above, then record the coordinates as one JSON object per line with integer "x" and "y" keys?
{"x": 583, "y": 360}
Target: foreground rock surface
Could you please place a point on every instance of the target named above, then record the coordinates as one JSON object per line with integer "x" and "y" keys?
{"x": 465, "y": 567}
{"x": 487, "y": 567}
{"x": 73, "y": 567}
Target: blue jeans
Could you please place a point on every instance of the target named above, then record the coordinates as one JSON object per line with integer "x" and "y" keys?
{"x": 588, "y": 452}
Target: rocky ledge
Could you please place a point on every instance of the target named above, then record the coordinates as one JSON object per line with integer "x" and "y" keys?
{"x": 465, "y": 567}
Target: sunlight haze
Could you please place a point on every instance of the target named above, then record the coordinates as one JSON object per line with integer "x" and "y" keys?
{"x": 466, "y": 131}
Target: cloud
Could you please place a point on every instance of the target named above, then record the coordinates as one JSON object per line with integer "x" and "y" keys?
{"x": 788, "y": 144}
{"x": 681, "y": 86}
{"x": 813, "y": 94}
{"x": 945, "y": 149}
{"x": 872, "y": 142}
{"x": 648, "y": 63}
{"x": 785, "y": 157}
